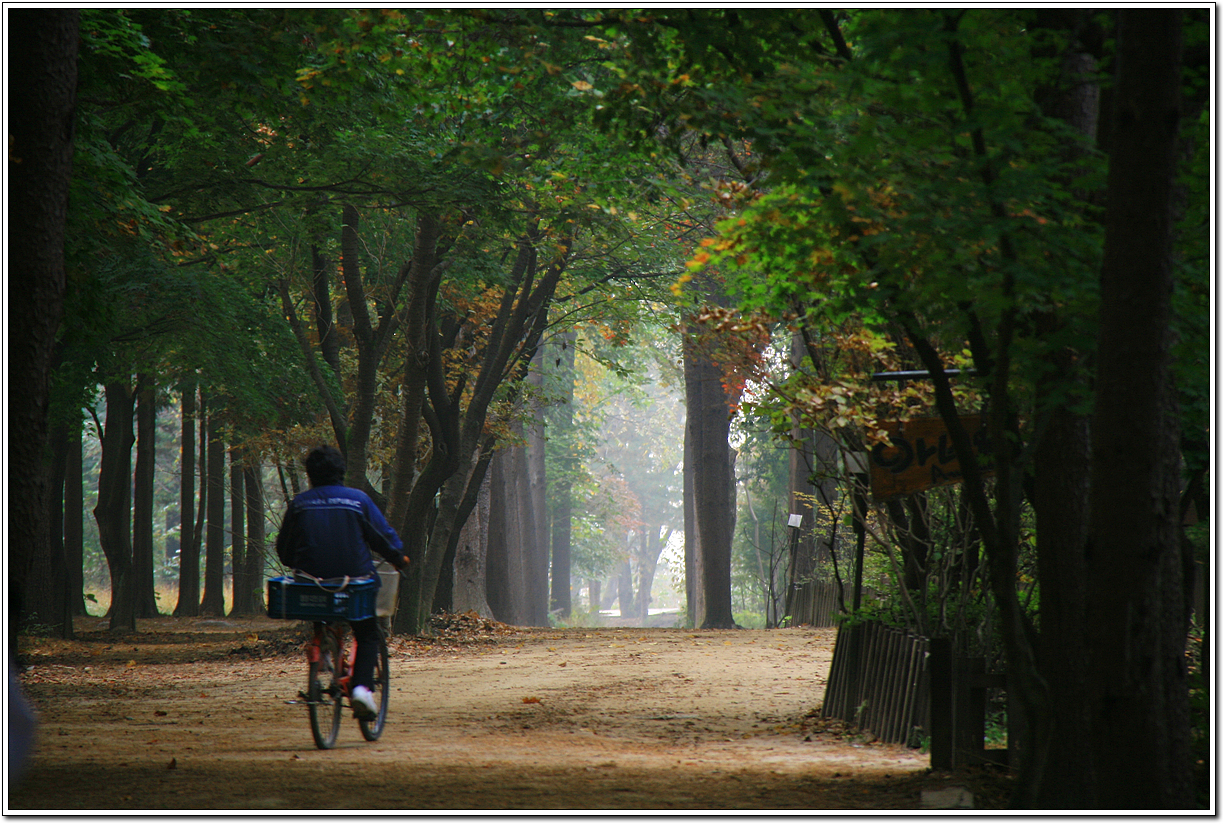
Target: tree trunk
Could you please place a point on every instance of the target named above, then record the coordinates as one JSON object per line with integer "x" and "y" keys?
{"x": 624, "y": 590}
{"x": 564, "y": 349}
{"x": 694, "y": 596}
{"x": 242, "y": 602}
{"x": 256, "y": 538}
{"x": 536, "y": 541}
{"x": 144, "y": 588}
{"x": 189, "y": 546}
{"x": 648, "y": 562}
{"x": 47, "y": 590}
{"x": 708, "y": 420}
{"x": 510, "y": 495}
{"x": 74, "y": 526}
{"x": 1061, "y": 470}
{"x": 497, "y": 562}
{"x": 213, "y": 602}
{"x": 423, "y": 281}
{"x": 113, "y": 510}
{"x": 471, "y": 557}
{"x": 1137, "y": 683}
{"x": 42, "y": 79}
{"x": 329, "y": 341}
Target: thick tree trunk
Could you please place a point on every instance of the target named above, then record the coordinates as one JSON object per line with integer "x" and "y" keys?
{"x": 624, "y": 589}
{"x": 189, "y": 546}
{"x": 256, "y": 535}
{"x": 471, "y": 557}
{"x": 422, "y": 285}
{"x": 46, "y": 601}
{"x": 694, "y": 596}
{"x": 213, "y": 602}
{"x": 74, "y": 526}
{"x": 1137, "y": 682}
{"x": 144, "y": 588}
{"x": 708, "y": 421}
{"x": 242, "y": 603}
{"x": 503, "y": 524}
{"x": 42, "y": 77}
{"x": 510, "y": 498}
{"x": 113, "y": 510}
{"x": 1060, "y": 496}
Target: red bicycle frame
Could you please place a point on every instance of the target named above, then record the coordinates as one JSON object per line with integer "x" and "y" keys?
{"x": 344, "y": 673}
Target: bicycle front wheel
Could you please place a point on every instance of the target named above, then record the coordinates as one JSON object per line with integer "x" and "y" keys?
{"x": 371, "y": 729}
{"x": 324, "y": 693}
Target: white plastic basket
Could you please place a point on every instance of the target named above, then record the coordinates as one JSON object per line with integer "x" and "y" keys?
{"x": 388, "y": 592}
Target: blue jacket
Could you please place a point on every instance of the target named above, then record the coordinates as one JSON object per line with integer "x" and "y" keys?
{"x": 329, "y": 531}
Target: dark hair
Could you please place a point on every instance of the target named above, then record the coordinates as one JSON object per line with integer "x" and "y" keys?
{"x": 325, "y": 466}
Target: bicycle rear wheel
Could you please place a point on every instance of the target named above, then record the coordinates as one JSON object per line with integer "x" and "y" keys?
{"x": 371, "y": 729}
{"x": 323, "y": 693}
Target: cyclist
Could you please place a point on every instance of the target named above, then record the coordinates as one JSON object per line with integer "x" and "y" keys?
{"x": 327, "y": 532}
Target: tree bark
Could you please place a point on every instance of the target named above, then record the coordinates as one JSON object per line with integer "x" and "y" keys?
{"x": 1060, "y": 469}
{"x": 708, "y": 422}
{"x": 42, "y": 79}
{"x": 564, "y": 349}
{"x": 503, "y": 524}
{"x": 242, "y": 602}
{"x": 423, "y": 281}
{"x": 536, "y": 541}
{"x": 47, "y": 591}
{"x": 256, "y": 537}
{"x": 510, "y": 495}
{"x": 74, "y": 526}
{"x": 649, "y": 547}
{"x": 144, "y": 588}
{"x": 325, "y": 325}
{"x": 624, "y": 589}
{"x": 113, "y": 509}
{"x": 189, "y": 545}
{"x": 471, "y": 557}
{"x": 1137, "y": 681}
{"x": 694, "y": 595}
{"x": 213, "y": 602}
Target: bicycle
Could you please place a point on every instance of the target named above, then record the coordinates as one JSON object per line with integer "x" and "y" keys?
{"x": 331, "y": 652}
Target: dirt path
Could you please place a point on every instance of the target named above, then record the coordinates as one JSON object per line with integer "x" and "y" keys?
{"x": 193, "y": 716}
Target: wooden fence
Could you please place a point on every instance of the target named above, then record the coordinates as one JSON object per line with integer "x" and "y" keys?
{"x": 879, "y": 681}
{"x": 815, "y": 603}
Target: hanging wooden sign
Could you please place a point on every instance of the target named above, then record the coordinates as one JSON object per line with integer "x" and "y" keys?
{"x": 920, "y": 455}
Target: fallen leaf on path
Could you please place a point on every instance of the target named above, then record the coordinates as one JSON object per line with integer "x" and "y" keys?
{"x": 531, "y": 699}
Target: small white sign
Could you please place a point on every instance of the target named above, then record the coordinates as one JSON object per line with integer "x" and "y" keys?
{"x": 795, "y": 521}
{"x": 856, "y": 462}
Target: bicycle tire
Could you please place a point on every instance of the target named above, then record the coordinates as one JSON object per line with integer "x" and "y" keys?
{"x": 372, "y": 729}
{"x": 323, "y": 700}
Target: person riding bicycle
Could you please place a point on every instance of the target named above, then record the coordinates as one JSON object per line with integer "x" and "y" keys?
{"x": 327, "y": 532}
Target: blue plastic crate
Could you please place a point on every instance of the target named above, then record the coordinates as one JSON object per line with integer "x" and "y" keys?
{"x": 307, "y": 601}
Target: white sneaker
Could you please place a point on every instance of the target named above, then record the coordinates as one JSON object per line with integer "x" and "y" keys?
{"x": 363, "y": 704}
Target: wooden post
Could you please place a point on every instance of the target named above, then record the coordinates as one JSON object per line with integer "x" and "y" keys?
{"x": 939, "y": 667}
